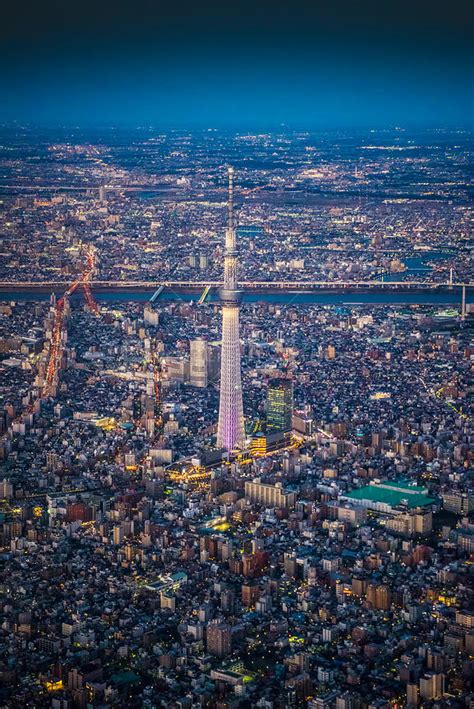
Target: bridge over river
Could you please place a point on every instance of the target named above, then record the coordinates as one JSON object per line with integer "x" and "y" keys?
{"x": 397, "y": 292}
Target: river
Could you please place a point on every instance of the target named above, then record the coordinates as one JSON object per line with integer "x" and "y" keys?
{"x": 379, "y": 297}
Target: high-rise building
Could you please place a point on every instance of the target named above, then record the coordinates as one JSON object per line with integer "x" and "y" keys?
{"x": 250, "y": 592}
{"x": 279, "y": 405}
{"x": 382, "y": 597}
{"x": 150, "y": 315}
{"x": 432, "y": 685}
{"x": 413, "y": 694}
{"x": 227, "y": 600}
{"x": 176, "y": 369}
{"x": 198, "y": 364}
{"x": 218, "y": 638}
{"x": 118, "y": 534}
{"x": 203, "y": 366}
{"x": 6, "y": 488}
{"x": 230, "y": 431}
{"x": 269, "y": 495}
{"x": 461, "y": 503}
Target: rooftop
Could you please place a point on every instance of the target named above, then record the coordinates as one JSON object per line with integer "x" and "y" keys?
{"x": 393, "y": 494}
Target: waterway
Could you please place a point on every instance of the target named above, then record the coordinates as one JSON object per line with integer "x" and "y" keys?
{"x": 417, "y": 265}
{"x": 379, "y": 297}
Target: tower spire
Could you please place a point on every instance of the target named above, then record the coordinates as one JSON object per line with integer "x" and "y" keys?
{"x": 230, "y": 200}
{"x": 230, "y": 253}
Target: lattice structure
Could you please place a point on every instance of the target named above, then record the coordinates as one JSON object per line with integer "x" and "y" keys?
{"x": 230, "y": 431}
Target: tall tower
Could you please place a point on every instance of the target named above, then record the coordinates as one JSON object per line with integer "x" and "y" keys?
{"x": 230, "y": 430}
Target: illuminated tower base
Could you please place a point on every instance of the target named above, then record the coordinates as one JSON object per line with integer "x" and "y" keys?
{"x": 230, "y": 432}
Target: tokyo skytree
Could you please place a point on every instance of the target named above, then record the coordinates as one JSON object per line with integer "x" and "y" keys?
{"x": 230, "y": 430}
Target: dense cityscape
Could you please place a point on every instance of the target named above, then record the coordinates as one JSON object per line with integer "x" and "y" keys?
{"x": 236, "y": 433}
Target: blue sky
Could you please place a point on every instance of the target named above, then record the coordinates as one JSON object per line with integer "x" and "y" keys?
{"x": 325, "y": 64}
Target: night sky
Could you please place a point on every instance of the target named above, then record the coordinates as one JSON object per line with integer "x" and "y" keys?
{"x": 331, "y": 64}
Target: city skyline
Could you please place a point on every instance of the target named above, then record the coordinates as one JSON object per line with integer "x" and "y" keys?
{"x": 236, "y": 354}
{"x": 152, "y": 555}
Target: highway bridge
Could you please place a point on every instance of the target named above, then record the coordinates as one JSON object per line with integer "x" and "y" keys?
{"x": 255, "y": 286}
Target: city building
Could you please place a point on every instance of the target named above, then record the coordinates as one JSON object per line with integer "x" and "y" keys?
{"x": 218, "y": 638}
{"x": 390, "y": 497}
{"x": 279, "y": 405}
{"x": 203, "y": 364}
{"x": 461, "y": 503}
{"x": 310, "y": 570}
{"x": 269, "y": 495}
{"x": 199, "y": 363}
{"x": 432, "y": 686}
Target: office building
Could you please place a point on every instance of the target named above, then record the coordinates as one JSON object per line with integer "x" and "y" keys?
{"x": 279, "y": 405}
{"x": 204, "y": 363}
